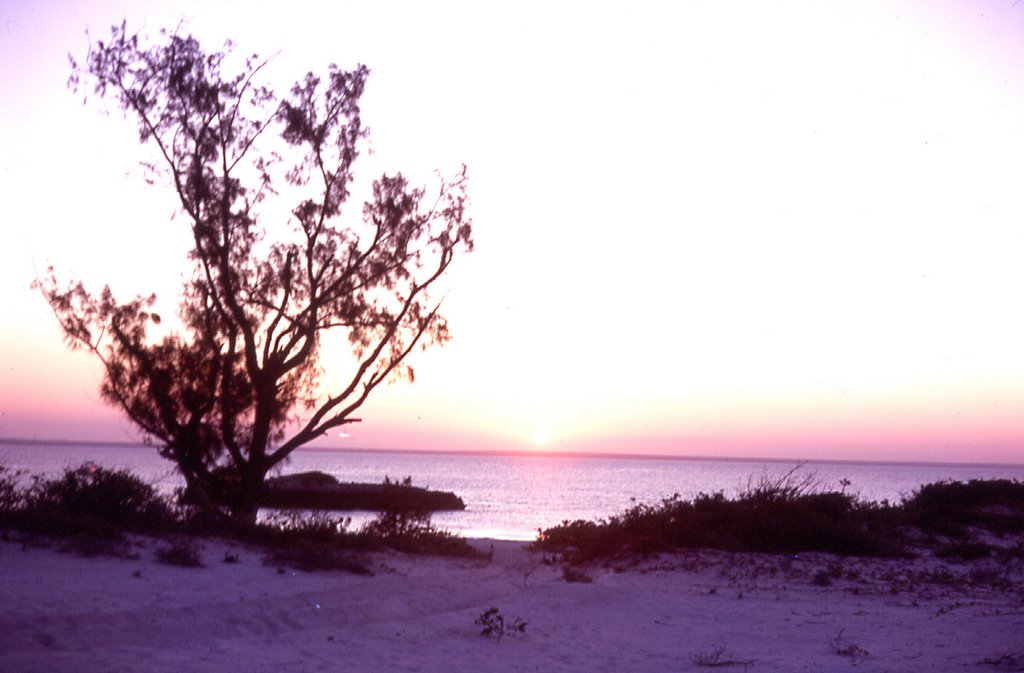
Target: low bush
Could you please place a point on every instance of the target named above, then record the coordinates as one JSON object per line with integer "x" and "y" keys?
{"x": 413, "y": 533}
{"x": 88, "y": 500}
{"x": 90, "y": 545}
{"x": 113, "y": 497}
{"x": 793, "y": 514}
{"x": 576, "y": 576}
{"x": 288, "y": 526}
{"x": 93, "y": 507}
{"x": 184, "y": 553}
{"x": 770, "y": 516}
{"x": 951, "y": 507}
{"x": 964, "y": 551}
{"x": 315, "y": 533}
{"x": 11, "y": 496}
{"x": 308, "y": 555}
{"x": 821, "y": 579}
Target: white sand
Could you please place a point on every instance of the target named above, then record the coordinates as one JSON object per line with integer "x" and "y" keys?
{"x": 66, "y": 613}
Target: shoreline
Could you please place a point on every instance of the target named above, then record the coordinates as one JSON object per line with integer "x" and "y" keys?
{"x": 670, "y": 612}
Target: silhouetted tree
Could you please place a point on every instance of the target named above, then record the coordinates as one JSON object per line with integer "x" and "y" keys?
{"x": 231, "y": 393}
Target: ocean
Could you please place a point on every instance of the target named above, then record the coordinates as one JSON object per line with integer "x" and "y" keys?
{"x": 511, "y": 496}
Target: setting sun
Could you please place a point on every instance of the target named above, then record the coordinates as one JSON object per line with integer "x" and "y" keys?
{"x": 725, "y": 241}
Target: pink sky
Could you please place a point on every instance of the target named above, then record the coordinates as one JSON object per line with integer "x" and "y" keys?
{"x": 718, "y": 229}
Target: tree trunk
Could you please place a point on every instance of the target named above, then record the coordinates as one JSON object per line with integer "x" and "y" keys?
{"x": 245, "y": 501}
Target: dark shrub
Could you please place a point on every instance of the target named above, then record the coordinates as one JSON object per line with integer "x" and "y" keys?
{"x": 949, "y": 507}
{"x": 776, "y": 516}
{"x": 311, "y": 541}
{"x": 964, "y": 551}
{"x": 182, "y": 553}
{"x": 826, "y": 522}
{"x": 821, "y": 579}
{"x": 317, "y": 525}
{"x": 319, "y": 534}
{"x": 96, "y": 500}
{"x": 579, "y": 538}
{"x": 11, "y": 497}
{"x": 90, "y": 545}
{"x": 576, "y": 576}
{"x": 96, "y": 506}
{"x": 308, "y": 555}
{"x": 413, "y": 533}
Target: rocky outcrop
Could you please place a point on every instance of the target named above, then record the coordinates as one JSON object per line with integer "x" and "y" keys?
{"x": 316, "y": 490}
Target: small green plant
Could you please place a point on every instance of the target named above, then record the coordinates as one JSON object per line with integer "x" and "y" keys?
{"x": 493, "y": 625}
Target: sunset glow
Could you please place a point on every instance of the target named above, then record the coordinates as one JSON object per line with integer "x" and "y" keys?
{"x": 701, "y": 228}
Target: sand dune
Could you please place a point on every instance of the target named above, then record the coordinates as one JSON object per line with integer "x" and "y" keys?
{"x": 677, "y": 612}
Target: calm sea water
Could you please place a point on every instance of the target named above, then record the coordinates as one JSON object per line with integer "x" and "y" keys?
{"x": 511, "y": 496}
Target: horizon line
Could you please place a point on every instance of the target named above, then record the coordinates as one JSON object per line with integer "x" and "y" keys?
{"x": 541, "y": 453}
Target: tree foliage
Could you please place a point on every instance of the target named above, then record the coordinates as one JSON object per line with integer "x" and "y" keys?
{"x": 231, "y": 393}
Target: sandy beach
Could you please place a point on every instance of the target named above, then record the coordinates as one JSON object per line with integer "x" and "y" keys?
{"x": 674, "y": 612}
